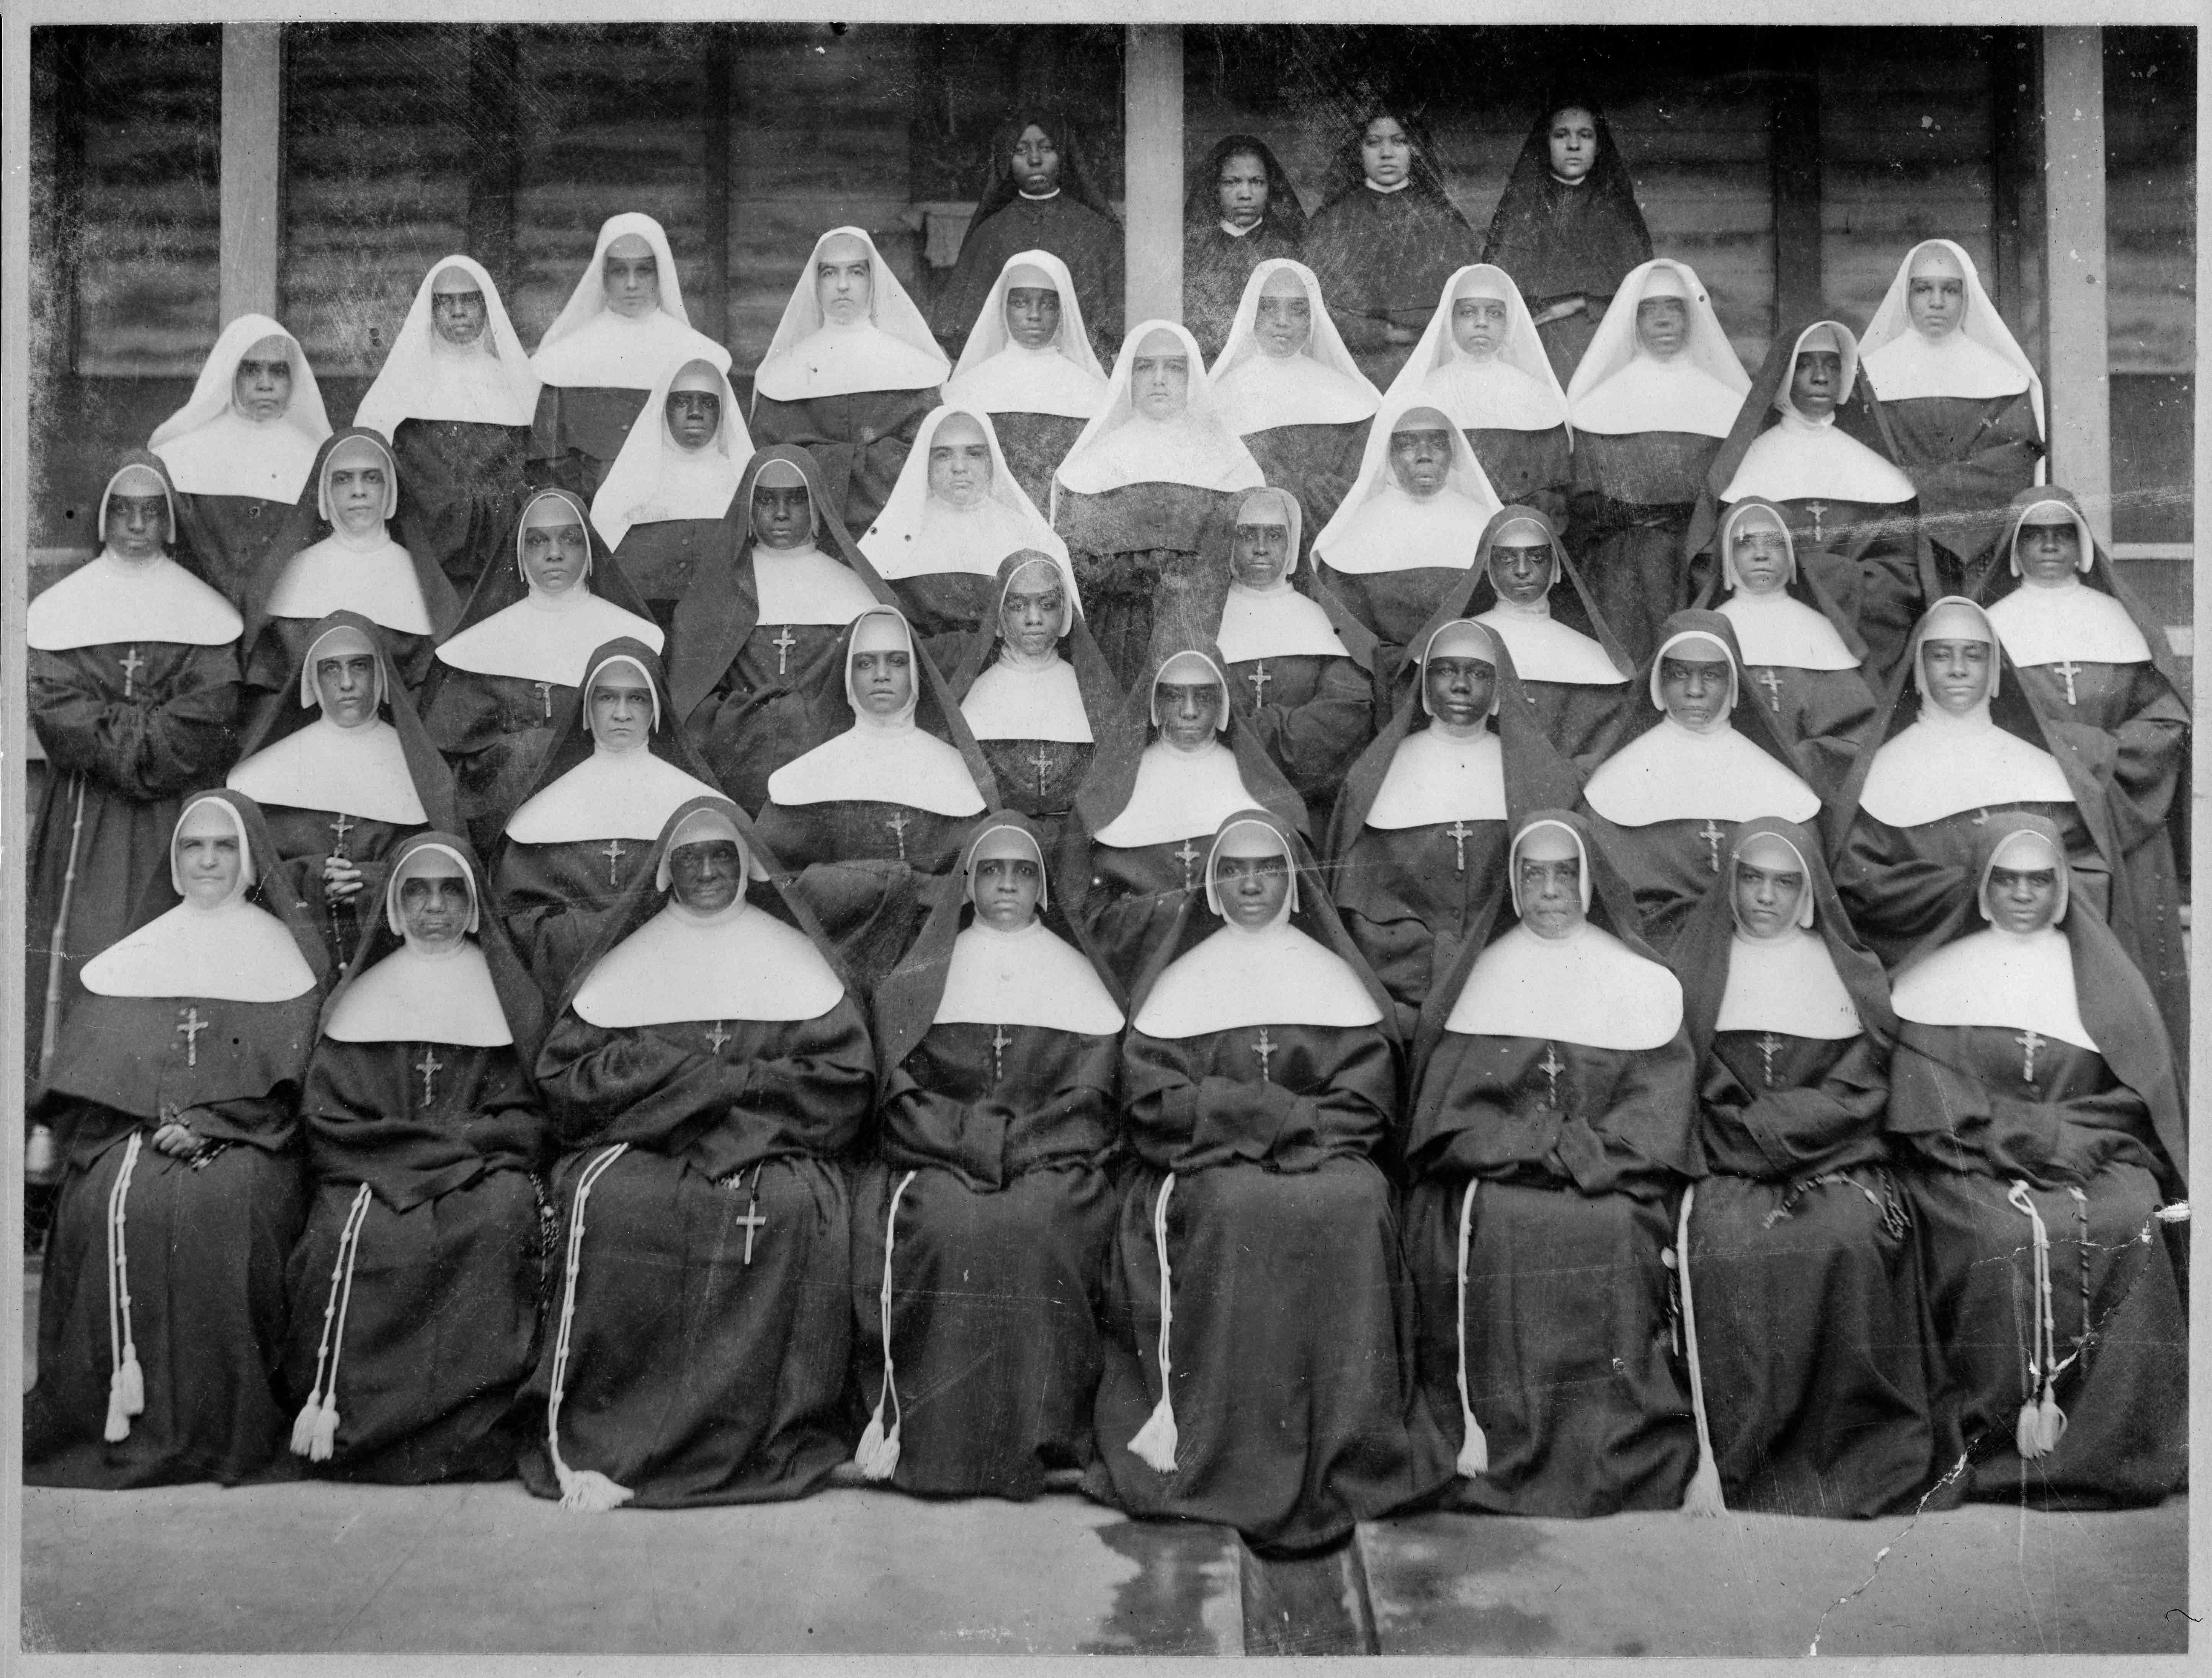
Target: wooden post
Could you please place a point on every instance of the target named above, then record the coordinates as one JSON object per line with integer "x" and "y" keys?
{"x": 494, "y": 152}
{"x": 1794, "y": 91}
{"x": 716, "y": 183}
{"x": 1152, "y": 89}
{"x": 253, "y": 167}
{"x": 2078, "y": 381}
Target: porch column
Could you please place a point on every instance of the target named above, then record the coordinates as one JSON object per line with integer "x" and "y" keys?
{"x": 252, "y": 166}
{"x": 2077, "y": 380}
{"x": 1152, "y": 92}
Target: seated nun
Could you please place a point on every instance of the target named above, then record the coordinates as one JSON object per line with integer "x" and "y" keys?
{"x": 1028, "y": 363}
{"x": 343, "y": 773}
{"x": 1481, "y": 361}
{"x": 1963, "y": 404}
{"x": 760, "y": 620}
{"x": 357, "y": 569}
{"x": 1703, "y": 756}
{"x": 414, "y": 1285}
{"x": 241, "y": 453}
{"x": 2037, "y": 1086}
{"x": 1650, "y": 402}
{"x": 1145, "y": 496}
{"x": 705, "y": 1074}
{"x": 1179, "y": 760}
{"x": 1409, "y": 529}
{"x": 978, "y": 1240}
{"x": 175, "y": 1088}
{"x": 665, "y": 500}
{"x": 1256, "y": 1251}
{"x": 1286, "y": 384}
{"x": 1803, "y": 1298}
{"x": 133, "y": 694}
{"x": 1417, "y": 844}
{"x": 456, "y": 397}
{"x": 1801, "y": 656}
{"x": 621, "y": 328}
{"x": 955, "y": 515}
{"x": 1306, "y": 663}
{"x": 1554, "y": 1123}
{"x": 515, "y": 660}
{"x": 1035, "y": 691}
{"x": 615, "y": 766}
{"x": 849, "y": 375}
{"x": 1960, "y": 742}
{"x": 865, "y": 819}
{"x": 1239, "y": 209}
{"x": 1812, "y": 437}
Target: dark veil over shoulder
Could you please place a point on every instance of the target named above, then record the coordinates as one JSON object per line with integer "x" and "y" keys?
{"x": 999, "y": 188}
{"x": 936, "y": 712}
{"x": 572, "y": 725}
{"x": 977, "y": 649}
{"x": 1423, "y": 179}
{"x": 1607, "y": 236}
{"x": 1572, "y": 605}
{"x": 1201, "y": 206}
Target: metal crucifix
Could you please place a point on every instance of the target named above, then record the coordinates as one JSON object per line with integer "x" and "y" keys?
{"x": 1188, "y": 854}
{"x": 717, "y": 1037}
{"x": 752, "y": 1219}
{"x": 1259, "y": 679}
{"x": 132, "y": 663}
{"x": 1767, "y": 1045}
{"x": 1816, "y": 508}
{"x": 897, "y": 824}
{"x": 544, "y": 699}
{"x": 1265, "y": 1051}
{"x": 339, "y": 828}
{"x": 1043, "y": 762}
{"x": 190, "y": 1026}
{"x": 2070, "y": 670}
{"x": 1000, "y": 1044}
{"x": 429, "y": 1066}
{"x": 614, "y": 851}
{"x": 1550, "y": 1066}
{"x": 2029, "y": 1043}
{"x": 783, "y": 645}
{"x": 1767, "y": 678}
{"x": 1459, "y": 832}
{"x": 1712, "y": 833}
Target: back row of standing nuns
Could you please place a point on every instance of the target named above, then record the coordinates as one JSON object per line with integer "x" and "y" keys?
{"x": 899, "y": 1001}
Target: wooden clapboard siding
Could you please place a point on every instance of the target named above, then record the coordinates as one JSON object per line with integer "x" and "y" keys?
{"x": 2150, "y": 230}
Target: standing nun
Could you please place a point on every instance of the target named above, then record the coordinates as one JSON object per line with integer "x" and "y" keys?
{"x": 1145, "y": 499}
{"x": 1239, "y": 210}
{"x": 175, "y": 1091}
{"x": 1257, "y": 1252}
{"x": 849, "y": 375}
{"x": 241, "y": 453}
{"x": 1963, "y": 404}
{"x": 457, "y": 397}
{"x": 414, "y": 1285}
{"x": 1652, "y": 398}
{"x": 664, "y": 504}
{"x": 620, "y": 330}
{"x": 978, "y": 1238}
{"x": 1028, "y": 363}
{"x": 705, "y": 1074}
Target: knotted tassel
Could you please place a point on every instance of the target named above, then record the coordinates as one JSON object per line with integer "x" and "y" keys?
{"x": 586, "y": 1490}
{"x": 315, "y": 1429}
{"x": 118, "y": 1419}
{"x": 1156, "y": 1441}
{"x": 126, "y": 1385}
{"x": 2042, "y": 1423}
{"x": 1704, "y": 1496}
{"x": 878, "y": 1458}
{"x": 1474, "y": 1449}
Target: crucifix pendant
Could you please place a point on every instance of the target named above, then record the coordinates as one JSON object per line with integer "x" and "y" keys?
{"x": 1043, "y": 762}
{"x": 752, "y": 1219}
{"x": 1550, "y": 1066}
{"x": 2029, "y": 1043}
{"x": 783, "y": 644}
{"x": 999, "y": 1042}
{"x": 614, "y": 851}
{"x": 1767, "y": 1045}
{"x": 1461, "y": 832}
{"x": 717, "y": 1037}
{"x": 339, "y": 828}
{"x": 132, "y": 663}
{"x": 1266, "y": 1052}
{"x": 1767, "y": 678}
{"x": 1259, "y": 679}
{"x": 1187, "y": 857}
{"x": 189, "y": 1026}
{"x": 429, "y": 1066}
{"x": 1816, "y": 508}
{"x": 897, "y": 824}
{"x": 1712, "y": 833}
{"x": 2069, "y": 670}
{"x": 544, "y": 699}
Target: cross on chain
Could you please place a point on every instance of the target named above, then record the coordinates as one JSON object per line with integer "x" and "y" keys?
{"x": 1043, "y": 762}
{"x": 1712, "y": 833}
{"x": 1265, "y": 1051}
{"x": 2029, "y": 1043}
{"x": 339, "y": 828}
{"x": 2070, "y": 670}
{"x": 999, "y": 1042}
{"x": 897, "y": 824}
{"x": 614, "y": 853}
{"x": 1259, "y": 679}
{"x": 132, "y": 663}
{"x": 190, "y": 1026}
{"x": 1767, "y": 678}
{"x": 429, "y": 1066}
{"x": 1550, "y": 1066}
{"x": 1767, "y": 1045}
{"x": 1981, "y": 816}
{"x": 544, "y": 698}
{"x": 1187, "y": 855}
{"x": 752, "y": 1220}
{"x": 717, "y": 1037}
{"x": 1461, "y": 832}
{"x": 1816, "y": 508}
{"x": 783, "y": 645}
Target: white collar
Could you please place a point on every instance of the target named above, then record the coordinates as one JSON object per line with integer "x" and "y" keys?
{"x": 1037, "y": 198}
{"x": 1797, "y": 459}
{"x": 1943, "y": 765}
{"x": 361, "y": 771}
{"x": 1392, "y": 532}
{"x": 612, "y": 352}
{"x": 873, "y": 763}
{"x": 1493, "y": 396}
{"x": 1236, "y": 232}
{"x": 1275, "y": 623}
{"x": 1997, "y": 979}
{"x": 1012, "y": 702}
{"x": 1178, "y": 795}
{"x": 1386, "y": 191}
{"x": 412, "y": 996}
{"x": 546, "y": 637}
{"x": 920, "y": 535}
{"x": 848, "y": 359}
{"x": 1527, "y": 986}
{"x": 2039, "y": 625}
{"x": 609, "y": 796}
{"x": 235, "y": 952}
{"x": 1775, "y": 629}
{"x": 680, "y": 967}
{"x": 1647, "y": 394}
{"x": 1545, "y": 650}
{"x": 375, "y": 579}
{"x": 1277, "y": 976}
{"x": 1017, "y": 380}
{"x": 1025, "y": 977}
{"x": 1668, "y": 773}
{"x": 805, "y": 585}
{"x": 1435, "y": 777}
{"x": 1788, "y": 985}
{"x": 114, "y": 602}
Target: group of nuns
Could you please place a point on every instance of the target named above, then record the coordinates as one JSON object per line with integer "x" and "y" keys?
{"x": 1024, "y": 928}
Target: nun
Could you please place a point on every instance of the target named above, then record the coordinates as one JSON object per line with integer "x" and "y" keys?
{"x": 849, "y": 375}
{"x": 1257, "y": 1252}
{"x": 621, "y": 328}
{"x": 954, "y": 514}
{"x": 343, "y": 771}
{"x": 1145, "y": 499}
{"x": 1705, "y": 756}
{"x": 978, "y": 1240}
{"x": 1417, "y": 844}
{"x": 1286, "y": 384}
{"x": 175, "y": 1092}
{"x": 133, "y": 694}
{"x": 615, "y": 766}
{"x": 1180, "y": 759}
{"x": 241, "y": 452}
{"x": 665, "y": 501}
{"x": 1239, "y": 210}
{"x": 1652, "y": 398}
{"x": 519, "y": 653}
{"x": 1028, "y": 363}
{"x": 1963, "y": 403}
{"x": 759, "y": 620}
{"x": 2039, "y": 1091}
{"x": 706, "y": 1074}
{"x": 456, "y": 397}
{"x": 1482, "y": 361}
{"x": 414, "y": 1285}
{"x": 1805, "y": 1310}
{"x": 1410, "y": 527}
{"x": 1553, "y": 1127}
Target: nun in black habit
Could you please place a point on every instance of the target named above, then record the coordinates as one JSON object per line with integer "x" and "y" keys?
{"x": 1239, "y": 209}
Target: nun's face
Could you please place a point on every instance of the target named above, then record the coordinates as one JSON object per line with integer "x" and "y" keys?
{"x": 1663, "y": 326}
{"x": 622, "y": 708}
{"x": 1029, "y": 617}
{"x": 1478, "y": 325}
{"x": 262, "y": 388}
{"x": 435, "y": 909}
{"x": 1386, "y": 155}
{"x": 346, "y": 682}
{"x": 694, "y": 417}
{"x": 1460, "y": 689}
{"x": 1282, "y": 320}
{"x": 1259, "y": 552}
{"x": 1573, "y": 142}
{"x": 2049, "y": 554}
{"x": 2022, "y": 899}
{"x": 1693, "y": 686}
{"x": 1189, "y": 712}
{"x": 1522, "y": 575}
{"x": 1159, "y": 376}
{"x": 1551, "y": 894}
{"x": 1936, "y": 304}
{"x": 884, "y": 681}
{"x": 632, "y": 277}
{"x": 207, "y": 856}
{"x": 844, "y": 280}
{"x": 1816, "y": 382}
{"x": 554, "y": 553}
{"x": 1252, "y": 888}
{"x": 1036, "y": 162}
{"x": 458, "y": 315}
{"x": 707, "y": 874}
{"x": 1033, "y": 316}
{"x": 1955, "y": 675}
{"x": 357, "y": 495}
{"x": 1242, "y": 188}
{"x": 1761, "y": 553}
{"x": 959, "y": 461}
{"x": 1766, "y": 899}
{"x": 1421, "y": 461}
{"x": 137, "y": 524}
{"x": 782, "y": 516}
{"x": 1006, "y": 891}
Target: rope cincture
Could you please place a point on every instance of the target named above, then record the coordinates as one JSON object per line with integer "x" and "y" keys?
{"x": 126, "y": 1385}
{"x": 315, "y": 1429}
{"x": 879, "y": 1455}
{"x": 1155, "y": 1443}
{"x": 2042, "y": 1423}
{"x": 584, "y": 1489}
{"x": 1704, "y": 1495}
{"x": 1474, "y": 1449}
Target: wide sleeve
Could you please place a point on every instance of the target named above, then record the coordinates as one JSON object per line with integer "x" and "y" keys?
{"x": 141, "y": 747}
{"x": 1057, "y": 1107}
{"x": 1638, "y": 1139}
{"x": 1316, "y": 742}
{"x": 1338, "y": 1092}
{"x": 361, "y": 1128}
{"x": 1952, "y": 1118}
{"x": 1896, "y": 892}
{"x": 1792, "y": 1134}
